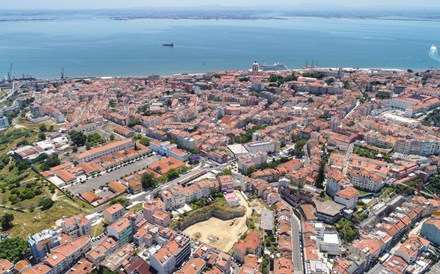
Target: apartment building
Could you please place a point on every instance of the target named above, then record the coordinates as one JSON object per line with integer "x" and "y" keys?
{"x": 367, "y": 180}
{"x": 336, "y": 181}
{"x": 66, "y": 255}
{"x": 98, "y": 152}
{"x": 418, "y": 146}
{"x": 173, "y": 254}
{"x": 250, "y": 245}
{"x": 76, "y": 226}
{"x": 168, "y": 149}
{"x": 43, "y": 242}
{"x": 122, "y": 230}
{"x": 347, "y": 197}
{"x": 264, "y": 147}
{"x": 431, "y": 230}
{"x": 113, "y": 213}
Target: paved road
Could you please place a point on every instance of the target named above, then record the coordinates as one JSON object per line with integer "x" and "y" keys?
{"x": 347, "y": 156}
{"x": 297, "y": 258}
{"x": 296, "y": 241}
{"x": 17, "y": 86}
{"x": 95, "y": 183}
{"x": 358, "y": 103}
{"x": 142, "y": 196}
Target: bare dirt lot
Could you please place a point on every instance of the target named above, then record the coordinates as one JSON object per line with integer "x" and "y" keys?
{"x": 223, "y": 234}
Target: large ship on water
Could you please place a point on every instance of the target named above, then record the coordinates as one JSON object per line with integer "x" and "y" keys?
{"x": 274, "y": 67}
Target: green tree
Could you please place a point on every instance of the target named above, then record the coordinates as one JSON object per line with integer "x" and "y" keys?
{"x": 22, "y": 165}
{"x": 112, "y": 137}
{"x": 42, "y": 127}
{"x": 112, "y": 103}
{"x": 145, "y": 141}
{"x": 41, "y": 136}
{"x": 78, "y": 138}
{"x": 330, "y": 81}
{"x": 173, "y": 174}
{"x": 133, "y": 122}
{"x": 347, "y": 230}
{"x": 124, "y": 202}
{"x": 6, "y": 221}
{"x": 319, "y": 182}
{"x": 46, "y": 203}
{"x": 50, "y": 162}
{"x": 41, "y": 157}
{"x": 298, "y": 151}
{"x": 433, "y": 119}
{"x": 226, "y": 171}
{"x": 13, "y": 249}
{"x": 94, "y": 139}
{"x": 148, "y": 180}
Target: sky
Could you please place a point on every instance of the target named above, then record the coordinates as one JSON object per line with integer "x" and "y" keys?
{"x": 92, "y": 4}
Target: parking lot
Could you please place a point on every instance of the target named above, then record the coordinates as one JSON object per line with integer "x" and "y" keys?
{"x": 116, "y": 174}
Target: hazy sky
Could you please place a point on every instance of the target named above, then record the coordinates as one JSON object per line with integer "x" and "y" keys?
{"x": 43, "y": 4}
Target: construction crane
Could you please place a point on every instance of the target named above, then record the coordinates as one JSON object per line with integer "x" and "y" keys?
{"x": 10, "y": 72}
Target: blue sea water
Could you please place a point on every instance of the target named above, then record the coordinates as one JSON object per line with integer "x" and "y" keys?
{"x": 102, "y": 47}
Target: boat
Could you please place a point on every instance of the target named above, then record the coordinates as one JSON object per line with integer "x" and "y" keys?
{"x": 274, "y": 67}
{"x": 168, "y": 45}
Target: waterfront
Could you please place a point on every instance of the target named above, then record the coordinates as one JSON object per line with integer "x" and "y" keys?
{"x": 94, "y": 46}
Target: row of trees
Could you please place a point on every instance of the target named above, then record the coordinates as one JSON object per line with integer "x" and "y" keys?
{"x": 433, "y": 119}
{"x": 148, "y": 180}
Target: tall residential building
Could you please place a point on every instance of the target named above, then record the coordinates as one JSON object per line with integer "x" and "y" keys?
{"x": 43, "y": 242}
{"x": 335, "y": 181}
{"x": 367, "y": 180}
{"x": 64, "y": 256}
{"x": 250, "y": 245}
{"x": 347, "y": 197}
{"x": 113, "y": 213}
{"x": 76, "y": 226}
{"x": 122, "y": 230}
{"x": 431, "y": 230}
{"x": 173, "y": 254}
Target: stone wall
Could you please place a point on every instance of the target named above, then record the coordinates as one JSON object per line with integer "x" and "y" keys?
{"x": 204, "y": 214}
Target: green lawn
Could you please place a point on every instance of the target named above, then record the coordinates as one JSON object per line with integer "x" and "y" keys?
{"x": 137, "y": 207}
{"x": 362, "y": 192}
{"x": 98, "y": 229}
{"x": 30, "y": 223}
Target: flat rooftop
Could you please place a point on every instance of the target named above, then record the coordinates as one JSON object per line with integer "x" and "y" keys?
{"x": 238, "y": 149}
{"x": 267, "y": 219}
{"x": 328, "y": 207}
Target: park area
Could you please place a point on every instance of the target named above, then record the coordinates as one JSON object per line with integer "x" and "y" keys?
{"x": 224, "y": 234}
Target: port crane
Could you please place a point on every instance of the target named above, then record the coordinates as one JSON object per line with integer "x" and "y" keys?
{"x": 10, "y": 72}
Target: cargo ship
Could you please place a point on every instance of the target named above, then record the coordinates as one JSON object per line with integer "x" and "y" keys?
{"x": 168, "y": 45}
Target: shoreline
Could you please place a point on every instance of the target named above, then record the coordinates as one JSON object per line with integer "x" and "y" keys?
{"x": 213, "y": 72}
